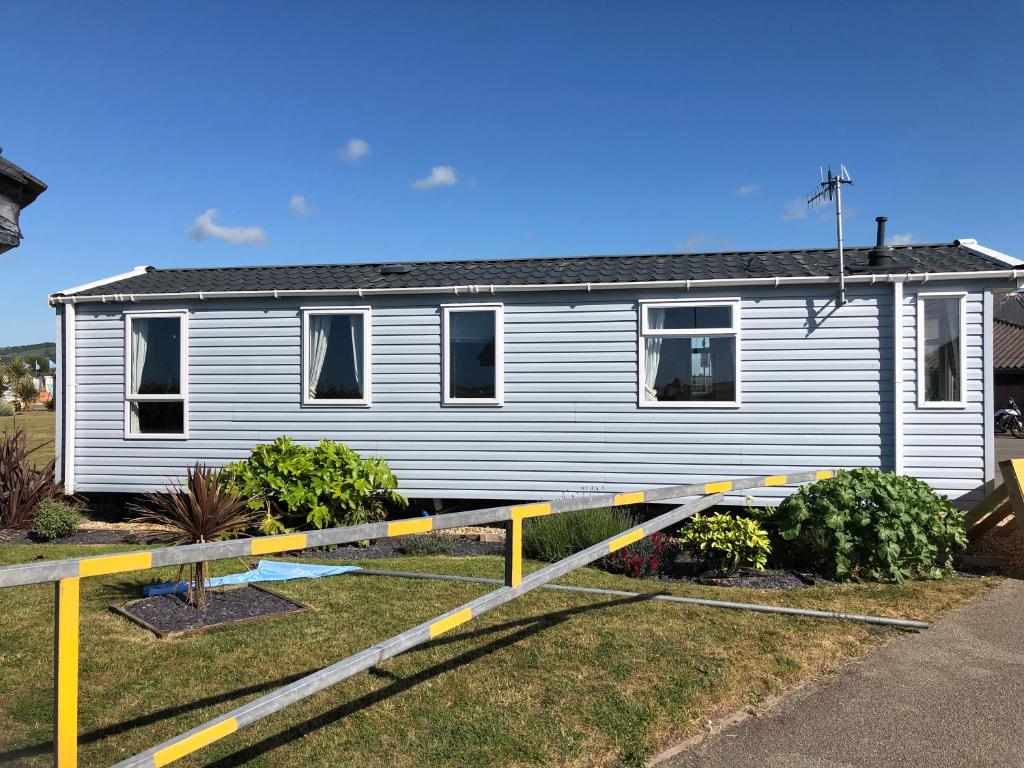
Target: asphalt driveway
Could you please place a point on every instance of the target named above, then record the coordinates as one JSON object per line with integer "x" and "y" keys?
{"x": 951, "y": 696}
{"x": 1007, "y": 447}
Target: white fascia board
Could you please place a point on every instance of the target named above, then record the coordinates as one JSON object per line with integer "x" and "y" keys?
{"x": 478, "y": 290}
{"x": 998, "y": 256}
{"x": 103, "y": 281}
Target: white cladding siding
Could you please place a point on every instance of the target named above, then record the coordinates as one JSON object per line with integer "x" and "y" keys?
{"x": 817, "y": 392}
{"x": 946, "y": 446}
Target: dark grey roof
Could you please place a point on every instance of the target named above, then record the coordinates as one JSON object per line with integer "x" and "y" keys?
{"x": 950, "y": 257}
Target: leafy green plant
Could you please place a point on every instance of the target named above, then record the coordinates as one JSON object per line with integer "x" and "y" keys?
{"x": 203, "y": 510}
{"x": 55, "y": 520}
{"x": 554, "y": 537}
{"x": 324, "y": 486}
{"x": 22, "y": 486}
{"x": 642, "y": 559}
{"x": 6, "y": 409}
{"x": 425, "y": 544}
{"x": 725, "y": 543}
{"x": 869, "y": 525}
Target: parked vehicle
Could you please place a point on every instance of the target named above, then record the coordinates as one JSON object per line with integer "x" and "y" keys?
{"x": 1008, "y": 419}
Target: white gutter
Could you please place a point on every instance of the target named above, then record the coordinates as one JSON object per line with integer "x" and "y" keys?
{"x": 69, "y": 393}
{"x": 458, "y": 290}
{"x": 104, "y": 281}
{"x": 59, "y": 399}
{"x": 897, "y": 376}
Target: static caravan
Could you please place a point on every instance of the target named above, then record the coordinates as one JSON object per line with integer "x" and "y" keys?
{"x": 528, "y": 379}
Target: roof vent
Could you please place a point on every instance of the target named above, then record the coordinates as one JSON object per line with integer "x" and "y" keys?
{"x": 881, "y": 254}
{"x": 395, "y": 269}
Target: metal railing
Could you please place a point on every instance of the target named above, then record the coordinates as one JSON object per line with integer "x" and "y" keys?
{"x": 66, "y": 576}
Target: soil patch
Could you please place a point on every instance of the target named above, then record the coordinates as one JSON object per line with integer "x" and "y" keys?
{"x": 166, "y": 615}
{"x": 692, "y": 572}
{"x": 383, "y": 549}
{"x": 82, "y": 536}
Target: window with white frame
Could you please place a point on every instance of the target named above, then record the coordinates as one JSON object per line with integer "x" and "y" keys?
{"x": 689, "y": 353}
{"x": 473, "y": 354}
{"x": 940, "y": 349}
{"x": 156, "y": 372}
{"x": 336, "y": 356}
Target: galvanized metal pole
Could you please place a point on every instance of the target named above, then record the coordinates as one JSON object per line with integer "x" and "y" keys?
{"x": 885, "y": 621}
{"x": 102, "y": 565}
{"x": 839, "y": 238}
{"x": 247, "y": 714}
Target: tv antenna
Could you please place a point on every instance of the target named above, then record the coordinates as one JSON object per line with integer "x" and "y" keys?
{"x": 831, "y": 190}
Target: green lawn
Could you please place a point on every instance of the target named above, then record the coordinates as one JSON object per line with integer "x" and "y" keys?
{"x": 550, "y": 679}
{"x": 40, "y": 425}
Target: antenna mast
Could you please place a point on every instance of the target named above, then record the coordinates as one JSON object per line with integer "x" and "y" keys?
{"x": 831, "y": 189}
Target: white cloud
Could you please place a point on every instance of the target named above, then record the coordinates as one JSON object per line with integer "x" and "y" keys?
{"x": 748, "y": 189}
{"x": 204, "y": 227}
{"x": 795, "y": 210}
{"x": 354, "y": 151}
{"x": 906, "y": 239}
{"x": 440, "y": 176}
{"x": 299, "y": 205}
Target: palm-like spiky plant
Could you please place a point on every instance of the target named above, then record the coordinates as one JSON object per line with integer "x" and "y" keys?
{"x": 26, "y": 392}
{"x": 22, "y": 486}
{"x": 200, "y": 511}
{"x": 17, "y": 369}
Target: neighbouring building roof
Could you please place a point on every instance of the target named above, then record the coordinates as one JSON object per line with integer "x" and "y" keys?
{"x": 821, "y": 262}
{"x": 31, "y": 186}
{"x": 1007, "y": 345}
{"x": 18, "y": 189}
{"x": 1010, "y": 308}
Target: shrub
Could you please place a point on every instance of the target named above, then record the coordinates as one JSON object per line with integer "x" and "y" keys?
{"x": 55, "y": 520}
{"x": 866, "y": 524}
{"x": 725, "y": 543}
{"x": 642, "y": 559}
{"x": 6, "y": 409}
{"x": 204, "y": 510}
{"x": 422, "y": 544}
{"x": 51, "y": 404}
{"x": 22, "y": 486}
{"x": 325, "y": 486}
{"x": 555, "y": 537}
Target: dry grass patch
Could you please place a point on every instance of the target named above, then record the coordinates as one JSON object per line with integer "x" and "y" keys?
{"x": 552, "y": 679}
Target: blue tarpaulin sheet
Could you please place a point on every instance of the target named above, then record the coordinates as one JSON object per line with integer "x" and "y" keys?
{"x": 267, "y": 570}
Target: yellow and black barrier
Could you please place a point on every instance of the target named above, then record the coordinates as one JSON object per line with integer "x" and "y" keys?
{"x": 66, "y": 575}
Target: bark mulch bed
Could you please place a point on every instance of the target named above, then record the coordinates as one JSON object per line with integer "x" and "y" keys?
{"x": 167, "y": 615}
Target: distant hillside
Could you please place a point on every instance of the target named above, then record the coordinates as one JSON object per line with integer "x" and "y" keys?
{"x": 44, "y": 349}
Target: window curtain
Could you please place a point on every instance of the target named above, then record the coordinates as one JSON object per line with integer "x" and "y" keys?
{"x": 723, "y": 368}
{"x": 355, "y": 323}
{"x": 652, "y": 351}
{"x": 140, "y": 345}
{"x": 319, "y": 331}
{"x": 949, "y": 353}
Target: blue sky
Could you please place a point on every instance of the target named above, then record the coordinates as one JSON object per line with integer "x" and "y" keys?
{"x": 543, "y": 129}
